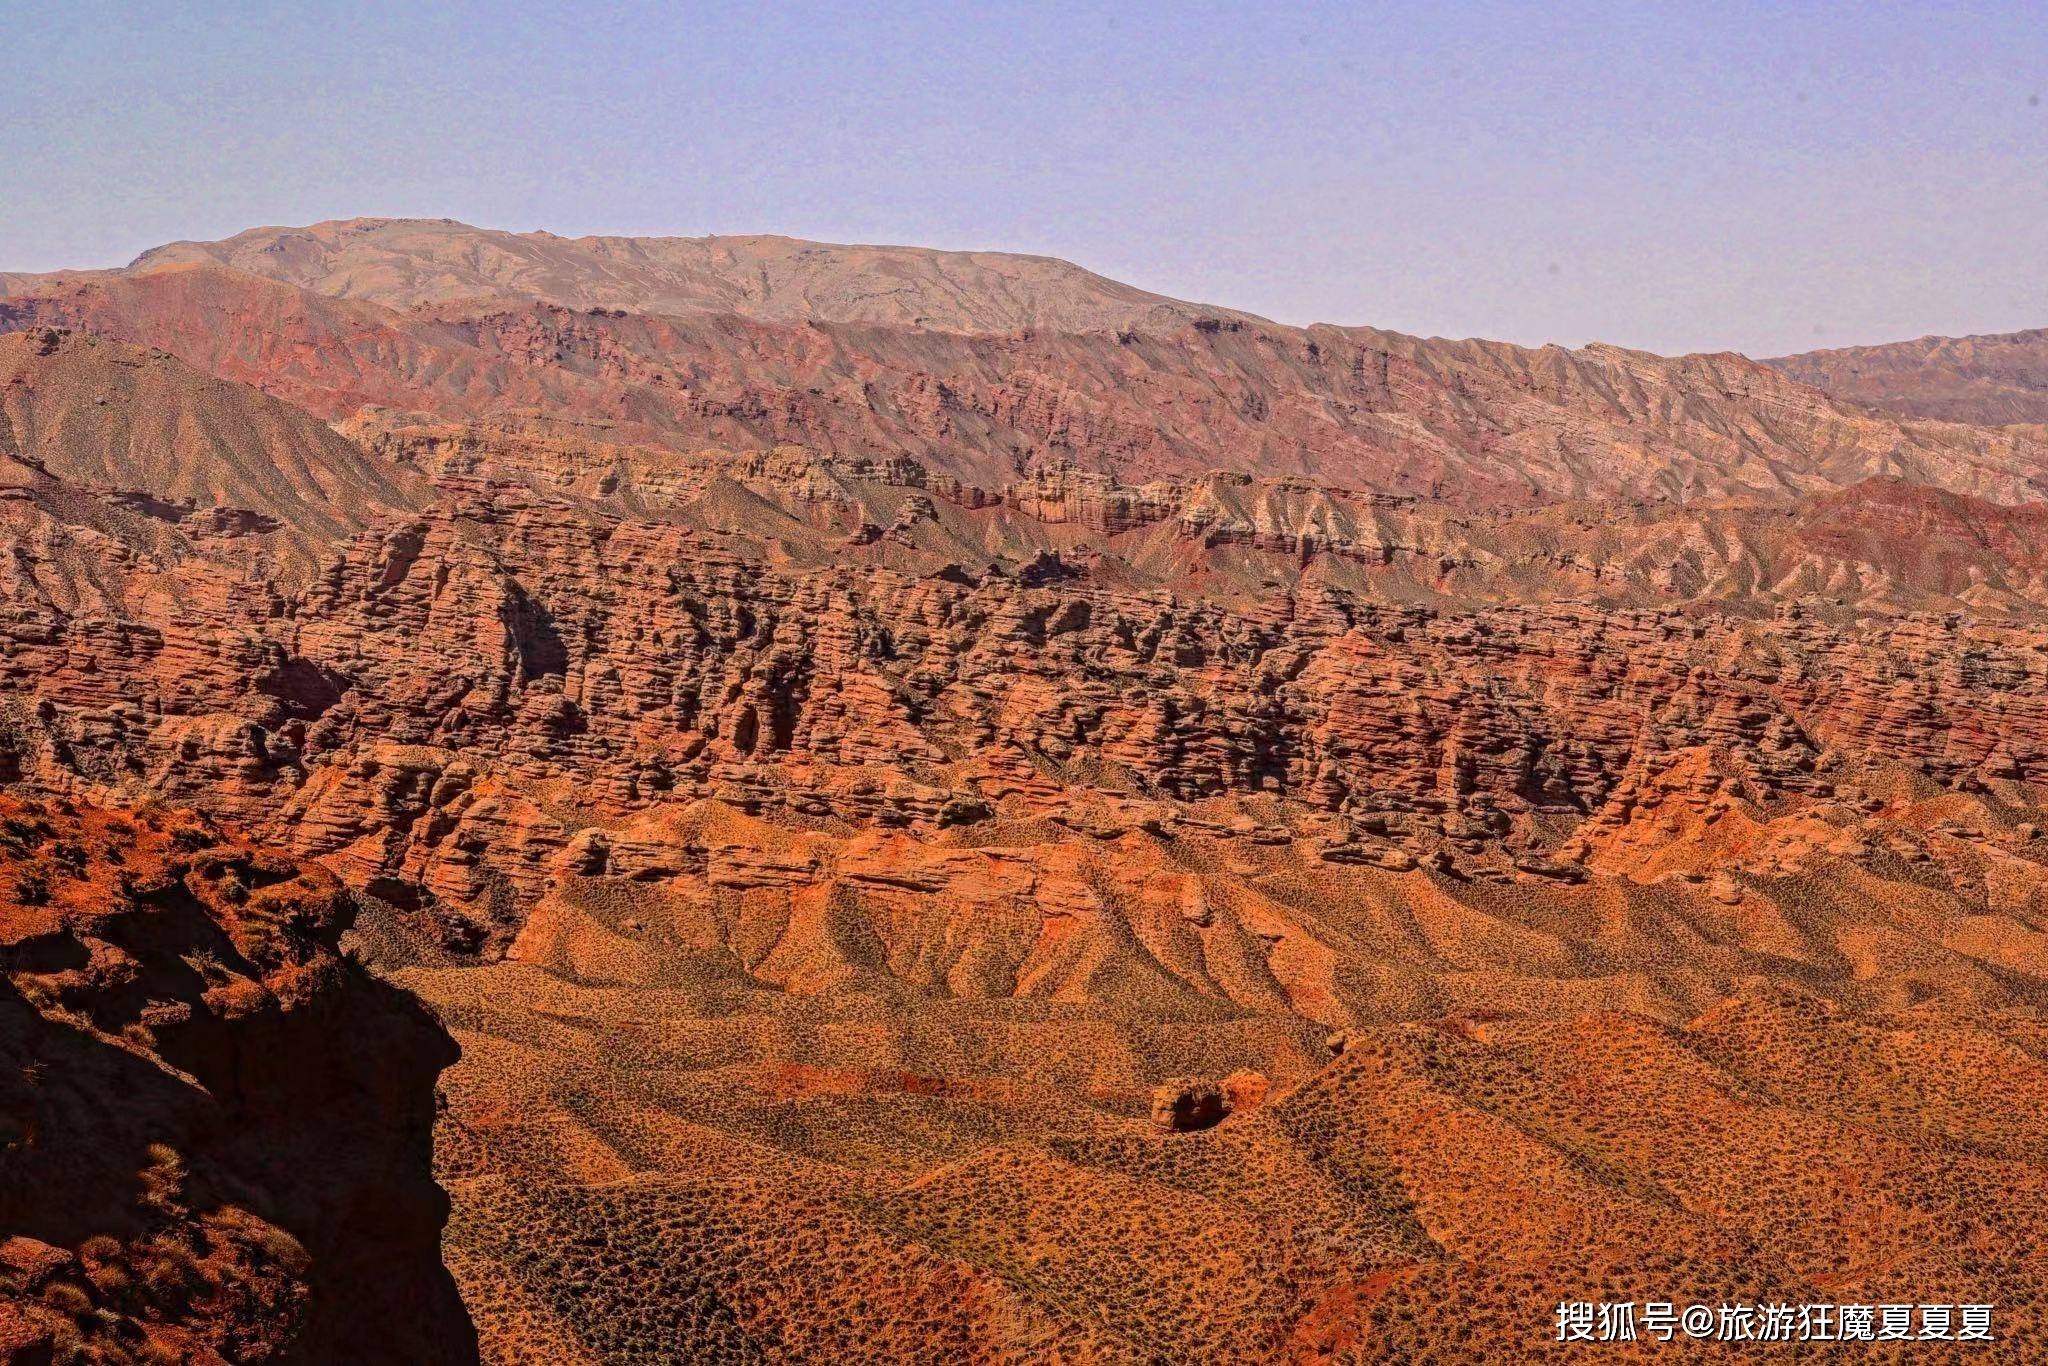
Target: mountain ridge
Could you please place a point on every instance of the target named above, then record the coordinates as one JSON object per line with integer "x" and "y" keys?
{"x": 1992, "y": 378}
{"x": 95, "y": 413}
{"x": 1178, "y": 391}
{"x": 406, "y": 262}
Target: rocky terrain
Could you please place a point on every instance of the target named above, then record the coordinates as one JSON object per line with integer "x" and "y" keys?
{"x": 1994, "y": 380}
{"x": 214, "y": 1129}
{"x": 1134, "y": 387}
{"x": 956, "y": 808}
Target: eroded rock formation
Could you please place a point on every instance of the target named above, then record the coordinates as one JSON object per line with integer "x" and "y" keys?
{"x": 215, "y": 1131}
{"x": 1006, "y": 817}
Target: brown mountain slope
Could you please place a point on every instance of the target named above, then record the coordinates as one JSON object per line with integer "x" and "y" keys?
{"x": 825, "y": 1175}
{"x": 144, "y": 432}
{"x": 1879, "y": 545}
{"x": 404, "y": 262}
{"x": 1481, "y": 424}
{"x": 214, "y": 1128}
{"x": 1995, "y": 379}
{"x": 23, "y": 282}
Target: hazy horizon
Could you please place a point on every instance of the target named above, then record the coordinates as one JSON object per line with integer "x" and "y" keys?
{"x": 1729, "y": 180}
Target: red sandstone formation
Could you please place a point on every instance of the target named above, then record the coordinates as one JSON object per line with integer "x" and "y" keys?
{"x": 214, "y": 1130}
{"x": 958, "y": 809}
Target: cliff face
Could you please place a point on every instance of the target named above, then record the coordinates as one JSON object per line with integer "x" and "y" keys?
{"x": 215, "y": 1131}
{"x": 460, "y": 693}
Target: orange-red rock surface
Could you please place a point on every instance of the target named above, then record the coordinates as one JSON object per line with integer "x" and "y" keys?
{"x": 214, "y": 1130}
{"x": 960, "y": 810}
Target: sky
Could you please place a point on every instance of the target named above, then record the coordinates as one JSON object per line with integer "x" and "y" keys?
{"x": 1763, "y": 178}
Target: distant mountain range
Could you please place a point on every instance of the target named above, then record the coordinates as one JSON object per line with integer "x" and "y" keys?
{"x": 982, "y": 365}
{"x": 407, "y": 263}
{"x": 1992, "y": 380}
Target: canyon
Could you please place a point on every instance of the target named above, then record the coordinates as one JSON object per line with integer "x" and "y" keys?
{"x": 957, "y": 808}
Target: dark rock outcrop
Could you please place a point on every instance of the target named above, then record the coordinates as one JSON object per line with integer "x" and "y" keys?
{"x": 215, "y": 1129}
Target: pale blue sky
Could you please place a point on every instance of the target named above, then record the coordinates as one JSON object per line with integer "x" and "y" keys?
{"x": 1758, "y": 177}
